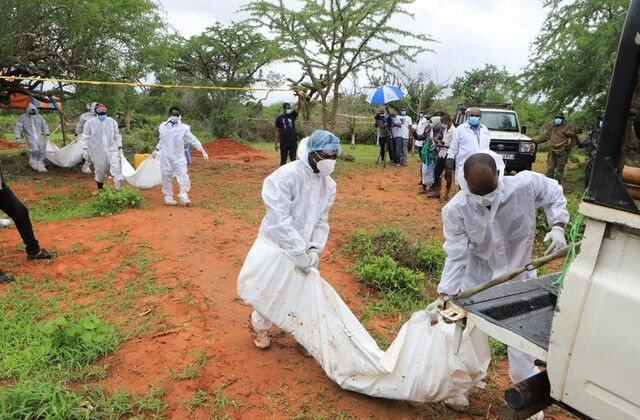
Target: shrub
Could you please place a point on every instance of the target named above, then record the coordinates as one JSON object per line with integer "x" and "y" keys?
{"x": 429, "y": 257}
{"x": 384, "y": 275}
{"x": 109, "y": 201}
{"x": 424, "y": 256}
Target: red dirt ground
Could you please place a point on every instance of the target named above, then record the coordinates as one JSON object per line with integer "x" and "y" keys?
{"x": 200, "y": 250}
{"x": 8, "y": 144}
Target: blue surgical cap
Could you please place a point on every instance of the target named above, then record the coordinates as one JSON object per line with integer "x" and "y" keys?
{"x": 322, "y": 140}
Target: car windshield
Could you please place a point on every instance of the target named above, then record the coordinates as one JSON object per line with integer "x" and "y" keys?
{"x": 502, "y": 121}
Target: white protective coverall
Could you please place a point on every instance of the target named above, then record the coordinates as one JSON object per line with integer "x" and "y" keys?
{"x": 298, "y": 204}
{"x": 173, "y": 138}
{"x": 482, "y": 243}
{"x": 33, "y": 126}
{"x": 464, "y": 143}
{"x": 104, "y": 144}
{"x": 82, "y": 120}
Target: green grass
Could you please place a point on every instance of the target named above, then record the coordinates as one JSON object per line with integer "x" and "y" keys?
{"x": 41, "y": 355}
{"x": 75, "y": 205}
{"x": 34, "y": 399}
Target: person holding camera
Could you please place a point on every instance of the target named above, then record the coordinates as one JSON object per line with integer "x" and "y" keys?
{"x": 383, "y": 125}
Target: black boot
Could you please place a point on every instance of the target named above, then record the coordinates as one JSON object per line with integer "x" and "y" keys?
{"x": 5, "y": 278}
{"x": 100, "y": 185}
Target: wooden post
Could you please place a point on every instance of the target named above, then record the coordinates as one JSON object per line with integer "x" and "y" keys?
{"x": 63, "y": 124}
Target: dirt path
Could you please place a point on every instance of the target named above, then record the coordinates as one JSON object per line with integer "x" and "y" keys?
{"x": 200, "y": 251}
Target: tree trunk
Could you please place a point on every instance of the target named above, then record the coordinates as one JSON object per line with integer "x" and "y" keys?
{"x": 352, "y": 123}
{"x": 325, "y": 113}
{"x": 336, "y": 103}
{"x": 63, "y": 123}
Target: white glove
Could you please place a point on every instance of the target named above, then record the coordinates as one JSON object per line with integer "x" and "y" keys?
{"x": 556, "y": 236}
{"x": 19, "y": 140}
{"x": 303, "y": 263}
{"x": 432, "y": 310}
{"x": 205, "y": 155}
{"x": 314, "y": 258}
{"x": 154, "y": 154}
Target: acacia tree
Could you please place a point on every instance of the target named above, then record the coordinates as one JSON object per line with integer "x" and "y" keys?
{"x": 489, "y": 84}
{"x": 574, "y": 54}
{"x": 334, "y": 39}
{"x": 227, "y": 56}
{"x": 76, "y": 39}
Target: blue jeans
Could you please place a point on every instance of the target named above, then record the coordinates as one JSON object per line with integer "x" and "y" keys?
{"x": 397, "y": 148}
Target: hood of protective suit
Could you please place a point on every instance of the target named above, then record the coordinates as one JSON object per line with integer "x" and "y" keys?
{"x": 30, "y": 107}
{"x": 303, "y": 152}
{"x": 499, "y": 165}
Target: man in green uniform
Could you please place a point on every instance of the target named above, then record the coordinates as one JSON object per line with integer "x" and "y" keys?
{"x": 561, "y": 137}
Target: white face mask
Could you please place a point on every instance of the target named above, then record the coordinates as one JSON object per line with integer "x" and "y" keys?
{"x": 174, "y": 119}
{"x": 326, "y": 166}
{"x": 484, "y": 200}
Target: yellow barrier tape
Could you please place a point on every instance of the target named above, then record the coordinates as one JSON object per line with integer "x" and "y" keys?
{"x": 157, "y": 85}
{"x": 139, "y": 84}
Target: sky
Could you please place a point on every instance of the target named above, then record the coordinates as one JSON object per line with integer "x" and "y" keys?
{"x": 468, "y": 33}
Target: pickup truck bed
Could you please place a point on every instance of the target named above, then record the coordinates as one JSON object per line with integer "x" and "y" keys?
{"x": 525, "y": 308}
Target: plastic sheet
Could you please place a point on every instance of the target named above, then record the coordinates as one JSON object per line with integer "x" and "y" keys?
{"x": 65, "y": 157}
{"x": 418, "y": 366}
{"x": 147, "y": 175}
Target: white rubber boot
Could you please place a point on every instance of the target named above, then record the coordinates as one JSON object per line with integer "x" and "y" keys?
{"x": 169, "y": 201}
{"x": 86, "y": 168}
{"x": 184, "y": 200}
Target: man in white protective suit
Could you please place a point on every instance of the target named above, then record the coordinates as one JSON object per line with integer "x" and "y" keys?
{"x": 468, "y": 138}
{"x": 103, "y": 145}
{"x": 173, "y": 137}
{"x": 489, "y": 229}
{"x": 298, "y": 197}
{"x": 82, "y": 120}
{"x": 33, "y": 126}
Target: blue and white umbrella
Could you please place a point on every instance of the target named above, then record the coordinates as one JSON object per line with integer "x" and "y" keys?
{"x": 385, "y": 94}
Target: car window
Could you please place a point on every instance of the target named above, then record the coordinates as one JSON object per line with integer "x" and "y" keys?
{"x": 503, "y": 121}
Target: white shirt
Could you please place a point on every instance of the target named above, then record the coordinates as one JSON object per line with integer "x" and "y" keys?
{"x": 464, "y": 143}
{"x": 404, "y": 127}
{"x": 423, "y": 123}
{"x": 448, "y": 136}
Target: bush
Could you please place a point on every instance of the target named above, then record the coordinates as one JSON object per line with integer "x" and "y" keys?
{"x": 384, "y": 275}
{"x": 426, "y": 257}
{"x": 395, "y": 269}
{"x": 110, "y": 201}
{"x": 429, "y": 257}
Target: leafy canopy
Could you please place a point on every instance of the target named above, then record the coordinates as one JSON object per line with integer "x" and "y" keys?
{"x": 334, "y": 39}
{"x": 574, "y": 54}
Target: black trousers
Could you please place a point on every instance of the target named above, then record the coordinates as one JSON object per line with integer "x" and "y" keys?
{"x": 18, "y": 212}
{"x": 385, "y": 145}
{"x": 441, "y": 164}
{"x": 288, "y": 149}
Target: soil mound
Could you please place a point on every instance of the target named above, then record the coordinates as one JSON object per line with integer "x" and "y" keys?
{"x": 229, "y": 149}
